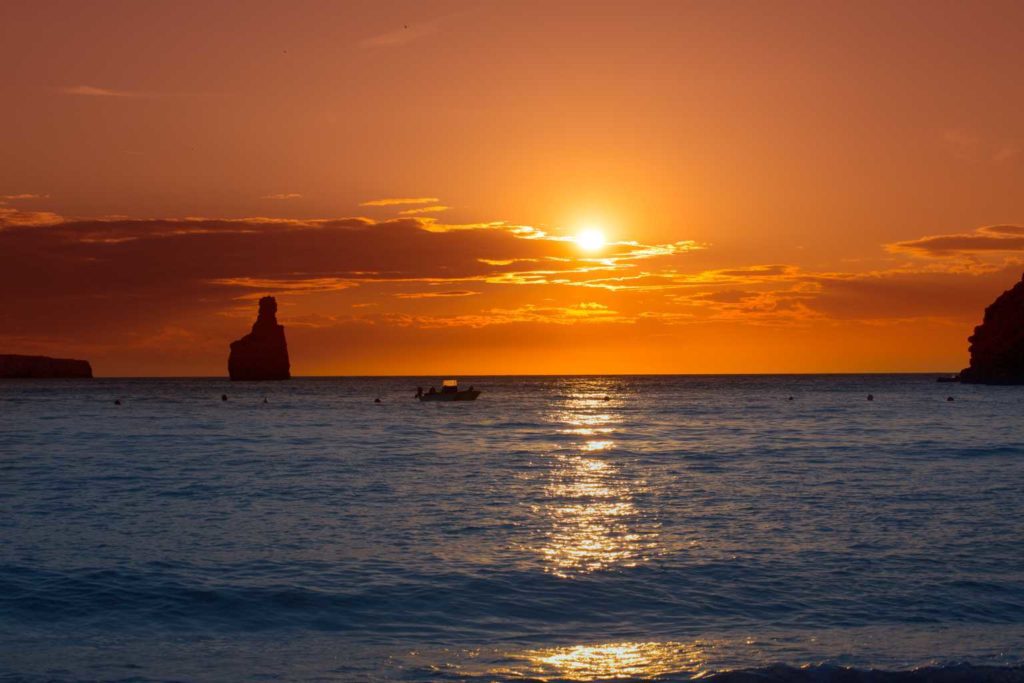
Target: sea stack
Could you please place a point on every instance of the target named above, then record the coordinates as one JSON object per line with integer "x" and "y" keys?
{"x": 263, "y": 353}
{"x": 997, "y": 345}
{"x": 36, "y": 367}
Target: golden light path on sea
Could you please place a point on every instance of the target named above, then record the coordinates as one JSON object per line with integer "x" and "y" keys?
{"x": 593, "y": 519}
{"x": 610, "y": 661}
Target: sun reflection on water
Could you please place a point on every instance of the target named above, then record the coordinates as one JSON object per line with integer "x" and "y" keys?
{"x": 593, "y": 521}
{"x": 626, "y": 660}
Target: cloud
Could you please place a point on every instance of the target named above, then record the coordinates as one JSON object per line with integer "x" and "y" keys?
{"x": 764, "y": 271}
{"x": 971, "y": 146}
{"x": 93, "y": 91}
{"x": 292, "y": 286}
{"x": 432, "y": 295}
{"x": 584, "y": 312}
{"x": 1006, "y": 152}
{"x": 909, "y": 294}
{"x": 403, "y": 35}
{"x": 14, "y": 218}
{"x": 426, "y": 209}
{"x": 108, "y": 281}
{"x": 786, "y": 304}
{"x": 725, "y": 296}
{"x": 126, "y": 282}
{"x": 398, "y": 201}
{"x": 992, "y": 238}
{"x": 13, "y": 197}
{"x": 282, "y": 195}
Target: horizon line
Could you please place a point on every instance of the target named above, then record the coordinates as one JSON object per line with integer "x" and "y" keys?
{"x": 575, "y": 374}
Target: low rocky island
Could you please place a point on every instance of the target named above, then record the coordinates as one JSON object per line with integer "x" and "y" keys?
{"x": 14, "y": 366}
{"x": 263, "y": 353}
{"x": 997, "y": 345}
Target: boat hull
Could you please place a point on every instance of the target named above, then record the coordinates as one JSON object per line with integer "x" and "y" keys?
{"x": 468, "y": 395}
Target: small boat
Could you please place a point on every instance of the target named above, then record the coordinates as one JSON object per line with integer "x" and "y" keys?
{"x": 449, "y": 392}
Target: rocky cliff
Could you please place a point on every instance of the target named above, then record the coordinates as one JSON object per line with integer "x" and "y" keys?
{"x": 263, "y": 353}
{"x": 30, "y": 367}
{"x": 997, "y": 345}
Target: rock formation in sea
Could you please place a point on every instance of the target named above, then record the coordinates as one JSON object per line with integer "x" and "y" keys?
{"x": 32, "y": 367}
{"x": 263, "y": 353}
{"x": 997, "y": 345}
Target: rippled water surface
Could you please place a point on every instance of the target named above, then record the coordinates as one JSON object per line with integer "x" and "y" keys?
{"x": 682, "y": 526}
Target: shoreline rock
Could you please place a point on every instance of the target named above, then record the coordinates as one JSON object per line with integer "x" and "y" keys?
{"x": 263, "y": 353}
{"x": 14, "y": 366}
{"x": 997, "y": 345}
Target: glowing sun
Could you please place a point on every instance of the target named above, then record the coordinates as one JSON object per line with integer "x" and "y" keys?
{"x": 590, "y": 239}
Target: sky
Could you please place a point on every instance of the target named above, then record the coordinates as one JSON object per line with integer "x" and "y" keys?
{"x": 762, "y": 187}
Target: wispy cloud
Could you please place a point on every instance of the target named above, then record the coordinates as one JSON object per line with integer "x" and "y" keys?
{"x": 403, "y": 35}
{"x": 12, "y": 197}
{"x": 282, "y": 195}
{"x": 292, "y": 286}
{"x": 93, "y": 91}
{"x": 990, "y": 238}
{"x": 438, "y": 208}
{"x": 1007, "y": 152}
{"x": 86, "y": 90}
{"x": 969, "y": 145}
{"x": 13, "y": 218}
{"x": 585, "y": 312}
{"x": 399, "y": 201}
{"x": 433, "y": 295}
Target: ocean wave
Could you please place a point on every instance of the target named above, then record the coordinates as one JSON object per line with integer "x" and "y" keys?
{"x": 781, "y": 673}
{"x": 778, "y": 673}
{"x": 389, "y": 600}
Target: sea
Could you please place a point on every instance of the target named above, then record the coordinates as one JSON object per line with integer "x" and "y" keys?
{"x": 663, "y": 528}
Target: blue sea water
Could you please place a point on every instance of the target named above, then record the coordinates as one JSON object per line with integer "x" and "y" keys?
{"x": 684, "y": 527}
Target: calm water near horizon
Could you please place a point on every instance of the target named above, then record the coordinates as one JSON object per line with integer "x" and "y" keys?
{"x": 687, "y": 525}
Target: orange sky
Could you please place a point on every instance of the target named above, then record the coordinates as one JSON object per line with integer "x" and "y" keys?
{"x": 784, "y": 187}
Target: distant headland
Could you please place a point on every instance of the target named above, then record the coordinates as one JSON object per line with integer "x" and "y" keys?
{"x": 997, "y": 345}
{"x": 13, "y": 366}
{"x": 263, "y": 353}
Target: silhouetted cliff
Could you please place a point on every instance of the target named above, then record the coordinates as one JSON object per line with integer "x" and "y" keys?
{"x": 262, "y": 354}
{"x": 997, "y": 345}
{"x": 30, "y": 367}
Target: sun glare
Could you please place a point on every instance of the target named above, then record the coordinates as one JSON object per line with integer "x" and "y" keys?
{"x": 590, "y": 239}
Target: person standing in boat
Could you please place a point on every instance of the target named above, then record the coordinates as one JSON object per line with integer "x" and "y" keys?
{"x": 419, "y": 392}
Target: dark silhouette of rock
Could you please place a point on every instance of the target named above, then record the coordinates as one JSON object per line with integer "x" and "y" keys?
{"x": 263, "y": 353}
{"x": 31, "y": 367}
{"x": 997, "y": 345}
